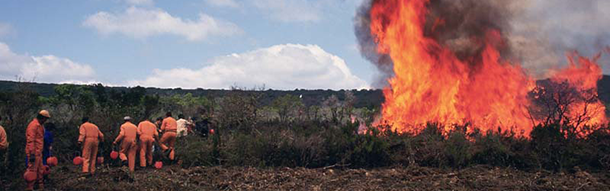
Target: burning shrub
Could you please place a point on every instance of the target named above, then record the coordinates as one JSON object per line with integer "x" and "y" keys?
{"x": 451, "y": 63}
{"x": 572, "y": 101}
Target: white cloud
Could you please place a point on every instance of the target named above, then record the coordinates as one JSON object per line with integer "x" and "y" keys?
{"x": 6, "y": 29}
{"x": 141, "y": 23}
{"x": 286, "y": 66}
{"x": 47, "y": 68}
{"x": 223, "y": 3}
{"x": 291, "y": 10}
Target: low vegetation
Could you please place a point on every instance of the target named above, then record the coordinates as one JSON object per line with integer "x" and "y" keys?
{"x": 288, "y": 133}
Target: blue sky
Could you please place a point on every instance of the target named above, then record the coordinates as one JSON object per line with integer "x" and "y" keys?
{"x": 282, "y": 44}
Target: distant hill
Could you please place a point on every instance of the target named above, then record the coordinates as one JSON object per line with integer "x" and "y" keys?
{"x": 603, "y": 89}
{"x": 364, "y": 98}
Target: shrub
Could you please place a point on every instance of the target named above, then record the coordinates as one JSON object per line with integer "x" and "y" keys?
{"x": 370, "y": 150}
{"x": 308, "y": 139}
{"x": 428, "y": 146}
{"x": 195, "y": 151}
{"x": 552, "y": 150}
{"x": 456, "y": 149}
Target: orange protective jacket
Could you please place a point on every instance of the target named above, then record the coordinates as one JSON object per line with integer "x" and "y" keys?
{"x": 147, "y": 129}
{"x": 169, "y": 125}
{"x": 3, "y": 139}
{"x": 89, "y": 131}
{"x": 34, "y": 138}
{"x": 90, "y": 136}
{"x": 129, "y": 131}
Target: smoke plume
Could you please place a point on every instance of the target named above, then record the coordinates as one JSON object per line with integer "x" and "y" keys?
{"x": 368, "y": 47}
{"x": 545, "y": 31}
{"x": 537, "y": 33}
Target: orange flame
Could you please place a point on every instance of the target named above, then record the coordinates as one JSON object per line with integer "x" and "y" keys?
{"x": 583, "y": 74}
{"x": 432, "y": 85}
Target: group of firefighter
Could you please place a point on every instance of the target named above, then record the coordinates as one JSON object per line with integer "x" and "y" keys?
{"x": 131, "y": 139}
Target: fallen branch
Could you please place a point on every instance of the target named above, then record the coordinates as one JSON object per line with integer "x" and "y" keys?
{"x": 335, "y": 165}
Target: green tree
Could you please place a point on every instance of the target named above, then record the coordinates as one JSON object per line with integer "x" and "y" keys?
{"x": 288, "y": 107}
{"x": 333, "y": 104}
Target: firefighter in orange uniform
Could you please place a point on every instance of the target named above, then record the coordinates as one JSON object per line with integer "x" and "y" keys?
{"x": 128, "y": 138}
{"x": 89, "y": 138}
{"x": 3, "y": 148}
{"x": 34, "y": 142}
{"x": 3, "y": 139}
{"x": 148, "y": 135}
{"x": 158, "y": 123}
{"x": 168, "y": 140}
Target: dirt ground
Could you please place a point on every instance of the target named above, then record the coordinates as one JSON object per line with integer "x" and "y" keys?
{"x": 244, "y": 178}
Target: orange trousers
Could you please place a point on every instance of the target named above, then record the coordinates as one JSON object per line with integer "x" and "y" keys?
{"x": 168, "y": 140}
{"x": 38, "y": 168}
{"x": 146, "y": 144}
{"x": 128, "y": 152}
{"x": 90, "y": 155}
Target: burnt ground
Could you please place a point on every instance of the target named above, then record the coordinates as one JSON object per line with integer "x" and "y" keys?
{"x": 245, "y": 178}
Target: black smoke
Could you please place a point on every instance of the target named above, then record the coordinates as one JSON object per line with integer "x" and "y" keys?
{"x": 368, "y": 47}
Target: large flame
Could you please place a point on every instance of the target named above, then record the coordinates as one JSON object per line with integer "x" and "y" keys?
{"x": 431, "y": 84}
{"x": 583, "y": 74}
